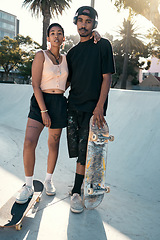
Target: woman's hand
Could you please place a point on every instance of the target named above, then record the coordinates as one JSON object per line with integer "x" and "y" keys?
{"x": 96, "y": 36}
{"x": 46, "y": 119}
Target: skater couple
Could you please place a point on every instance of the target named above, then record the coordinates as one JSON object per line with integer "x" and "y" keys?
{"x": 87, "y": 69}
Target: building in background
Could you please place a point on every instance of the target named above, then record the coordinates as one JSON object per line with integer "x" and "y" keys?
{"x": 150, "y": 79}
{"x": 154, "y": 69}
{"x": 9, "y": 25}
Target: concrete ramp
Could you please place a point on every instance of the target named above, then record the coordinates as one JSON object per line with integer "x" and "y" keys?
{"x": 134, "y": 119}
{"x": 131, "y": 211}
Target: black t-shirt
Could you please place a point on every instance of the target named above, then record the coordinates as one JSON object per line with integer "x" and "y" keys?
{"x": 87, "y": 62}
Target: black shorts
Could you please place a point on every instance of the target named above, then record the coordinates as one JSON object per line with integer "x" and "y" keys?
{"x": 77, "y": 134}
{"x": 56, "y": 105}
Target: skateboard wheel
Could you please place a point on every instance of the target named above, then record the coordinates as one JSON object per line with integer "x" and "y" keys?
{"x": 111, "y": 138}
{"x": 19, "y": 227}
{"x": 107, "y": 189}
{"x": 90, "y": 190}
{"x": 94, "y": 137}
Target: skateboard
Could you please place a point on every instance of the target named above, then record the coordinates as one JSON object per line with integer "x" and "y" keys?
{"x": 12, "y": 213}
{"x": 95, "y": 170}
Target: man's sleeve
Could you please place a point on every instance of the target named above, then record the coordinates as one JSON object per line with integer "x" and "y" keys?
{"x": 108, "y": 65}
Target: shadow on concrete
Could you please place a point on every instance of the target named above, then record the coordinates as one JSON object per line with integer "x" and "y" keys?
{"x": 30, "y": 224}
{"x": 87, "y": 225}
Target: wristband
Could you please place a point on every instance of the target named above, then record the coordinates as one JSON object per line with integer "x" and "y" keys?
{"x": 44, "y": 111}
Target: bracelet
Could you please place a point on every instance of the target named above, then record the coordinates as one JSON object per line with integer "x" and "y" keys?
{"x": 44, "y": 111}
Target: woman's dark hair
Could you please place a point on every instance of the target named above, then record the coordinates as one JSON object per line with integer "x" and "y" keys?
{"x": 54, "y": 25}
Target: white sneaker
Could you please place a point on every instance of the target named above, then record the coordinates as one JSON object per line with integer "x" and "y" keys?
{"x": 76, "y": 203}
{"x": 25, "y": 193}
{"x": 50, "y": 189}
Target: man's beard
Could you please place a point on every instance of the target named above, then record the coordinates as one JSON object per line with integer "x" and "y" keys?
{"x": 85, "y": 33}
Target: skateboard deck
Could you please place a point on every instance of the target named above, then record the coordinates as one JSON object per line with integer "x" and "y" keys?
{"x": 96, "y": 160}
{"x": 12, "y": 213}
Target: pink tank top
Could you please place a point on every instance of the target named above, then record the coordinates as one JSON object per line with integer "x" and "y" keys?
{"x": 54, "y": 76}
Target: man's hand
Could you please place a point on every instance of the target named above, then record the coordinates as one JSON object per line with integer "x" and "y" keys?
{"x": 98, "y": 117}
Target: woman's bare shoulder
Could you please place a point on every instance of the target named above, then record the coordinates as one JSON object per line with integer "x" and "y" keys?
{"x": 39, "y": 56}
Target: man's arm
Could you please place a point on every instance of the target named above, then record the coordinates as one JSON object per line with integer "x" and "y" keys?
{"x": 67, "y": 85}
{"x": 98, "y": 111}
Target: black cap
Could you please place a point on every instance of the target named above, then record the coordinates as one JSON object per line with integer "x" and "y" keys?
{"x": 88, "y": 11}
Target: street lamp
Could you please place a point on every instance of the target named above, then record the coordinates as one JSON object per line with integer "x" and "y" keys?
{"x": 92, "y": 3}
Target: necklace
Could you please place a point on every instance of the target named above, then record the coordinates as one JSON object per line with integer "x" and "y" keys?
{"x": 57, "y": 59}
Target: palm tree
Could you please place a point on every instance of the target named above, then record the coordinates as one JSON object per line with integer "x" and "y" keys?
{"x": 130, "y": 43}
{"x": 147, "y": 8}
{"x": 48, "y": 9}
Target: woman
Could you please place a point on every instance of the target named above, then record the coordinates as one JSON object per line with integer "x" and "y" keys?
{"x": 48, "y": 109}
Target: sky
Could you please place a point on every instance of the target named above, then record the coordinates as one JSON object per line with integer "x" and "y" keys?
{"x": 108, "y": 19}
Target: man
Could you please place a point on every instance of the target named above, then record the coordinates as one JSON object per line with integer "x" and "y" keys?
{"x": 90, "y": 68}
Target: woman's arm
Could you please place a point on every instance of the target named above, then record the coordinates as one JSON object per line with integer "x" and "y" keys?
{"x": 67, "y": 85}
{"x": 37, "y": 68}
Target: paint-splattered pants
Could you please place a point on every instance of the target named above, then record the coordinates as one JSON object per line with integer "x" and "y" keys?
{"x": 77, "y": 134}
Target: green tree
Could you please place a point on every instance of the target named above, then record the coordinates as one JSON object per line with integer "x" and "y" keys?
{"x": 154, "y": 44}
{"x": 29, "y": 47}
{"x": 70, "y": 41}
{"x": 134, "y": 63}
{"x": 147, "y": 8}
{"x": 130, "y": 46}
{"x": 16, "y": 52}
{"x": 10, "y": 54}
{"x": 48, "y": 9}
{"x": 25, "y": 71}
{"x": 108, "y": 36}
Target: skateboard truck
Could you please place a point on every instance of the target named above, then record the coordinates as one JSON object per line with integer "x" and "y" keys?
{"x": 110, "y": 138}
{"x": 98, "y": 190}
{"x": 101, "y": 136}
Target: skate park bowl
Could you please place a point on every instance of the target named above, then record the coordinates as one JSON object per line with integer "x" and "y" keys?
{"x": 131, "y": 211}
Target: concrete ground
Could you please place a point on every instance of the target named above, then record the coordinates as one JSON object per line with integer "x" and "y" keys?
{"x": 131, "y": 211}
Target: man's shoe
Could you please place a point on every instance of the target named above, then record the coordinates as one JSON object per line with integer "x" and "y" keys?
{"x": 50, "y": 189}
{"x": 76, "y": 203}
{"x": 25, "y": 193}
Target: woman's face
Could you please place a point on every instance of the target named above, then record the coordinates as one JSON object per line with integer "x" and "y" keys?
{"x": 56, "y": 36}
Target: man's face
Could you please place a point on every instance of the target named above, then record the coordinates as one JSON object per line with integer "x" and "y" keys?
{"x": 84, "y": 25}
